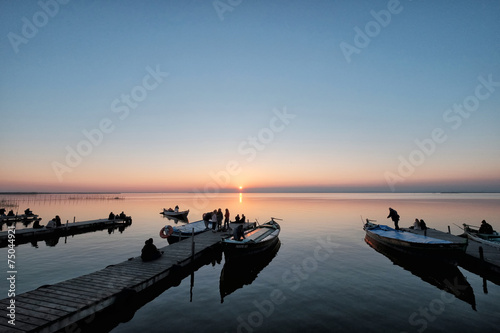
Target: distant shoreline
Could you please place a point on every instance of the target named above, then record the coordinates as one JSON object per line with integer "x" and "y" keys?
{"x": 249, "y": 191}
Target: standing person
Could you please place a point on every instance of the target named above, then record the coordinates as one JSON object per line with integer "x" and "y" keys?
{"x": 206, "y": 218}
{"x": 214, "y": 220}
{"x": 395, "y": 217}
{"x": 220, "y": 216}
{"x": 243, "y": 218}
{"x": 226, "y": 219}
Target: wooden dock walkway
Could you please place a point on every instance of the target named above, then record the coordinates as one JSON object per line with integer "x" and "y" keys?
{"x": 53, "y": 307}
{"x": 487, "y": 265}
{"x": 27, "y": 235}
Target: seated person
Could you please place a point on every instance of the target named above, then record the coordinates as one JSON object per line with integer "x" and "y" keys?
{"x": 36, "y": 224}
{"x": 237, "y": 219}
{"x": 123, "y": 216}
{"x": 243, "y": 218}
{"x": 176, "y": 209}
{"x": 11, "y": 213}
{"x": 239, "y": 233}
{"x": 28, "y": 212}
{"x": 51, "y": 224}
{"x": 111, "y": 216}
{"x": 485, "y": 228}
{"x": 149, "y": 251}
{"x": 416, "y": 225}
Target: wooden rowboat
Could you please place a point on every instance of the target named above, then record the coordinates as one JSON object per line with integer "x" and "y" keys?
{"x": 173, "y": 234}
{"x": 179, "y": 214}
{"x": 256, "y": 240}
{"x": 414, "y": 244}
{"x": 473, "y": 233}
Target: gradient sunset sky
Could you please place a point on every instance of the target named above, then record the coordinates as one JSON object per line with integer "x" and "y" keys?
{"x": 207, "y": 96}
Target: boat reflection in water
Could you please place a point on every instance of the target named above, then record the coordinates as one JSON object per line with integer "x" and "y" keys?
{"x": 445, "y": 276}
{"x": 236, "y": 274}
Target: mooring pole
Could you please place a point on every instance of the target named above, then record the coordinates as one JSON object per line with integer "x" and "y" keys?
{"x": 449, "y": 231}
{"x": 192, "y": 245}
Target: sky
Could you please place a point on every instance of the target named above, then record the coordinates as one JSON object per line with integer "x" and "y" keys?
{"x": 273, "y": 96}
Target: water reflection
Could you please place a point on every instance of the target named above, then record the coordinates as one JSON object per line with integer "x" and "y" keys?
{"x": 444, "y": 276}
{"x": 176, "y": 219}
{"x": 236, "y": 274}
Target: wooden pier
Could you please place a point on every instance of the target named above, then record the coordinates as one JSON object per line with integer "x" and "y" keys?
{"x": 51, "y": 308}
{"x": 481, "y": 259}
{"x": 38, "y": 234}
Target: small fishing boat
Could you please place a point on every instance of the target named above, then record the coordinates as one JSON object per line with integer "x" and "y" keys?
{"x": 182, "y": 215}
{"x": 255, "y": 240}
{"x": 173, "y": 234}
{"x": 414, "y": 244}
{"x": 19, "y": 218}
{"x": 473, "y": 233}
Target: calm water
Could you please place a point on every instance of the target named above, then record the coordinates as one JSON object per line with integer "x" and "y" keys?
{"x": 324, "y": 277}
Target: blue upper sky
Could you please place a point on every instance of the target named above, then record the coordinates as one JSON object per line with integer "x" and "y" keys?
{"x": 269, "y": 95}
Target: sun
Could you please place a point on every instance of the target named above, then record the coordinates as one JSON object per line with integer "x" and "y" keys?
{"x": 241, "y": 187}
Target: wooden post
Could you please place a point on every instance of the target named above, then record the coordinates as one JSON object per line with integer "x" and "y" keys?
{"x": 449, "y": 231}
{"x": 192, "y": 245}
{"x": 74, "y": 218}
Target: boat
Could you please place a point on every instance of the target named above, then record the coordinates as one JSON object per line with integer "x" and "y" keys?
{"x": 181, "y": 214}
{"x": 173, "y": 234}
{"x": 414, "y": 244}
{"x": 258, "y": 239}
{"x": 19, "y": 218}
{"x": 472, "y": 232}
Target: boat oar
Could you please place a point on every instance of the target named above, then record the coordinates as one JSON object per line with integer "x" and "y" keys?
{"x": 459, "y": 226}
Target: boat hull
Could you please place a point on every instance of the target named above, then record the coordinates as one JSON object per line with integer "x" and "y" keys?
{"x": 492, "y": 240}
{"x": 443, "y": 250}
{"x": 182, "y": 215}
{"x": 267, "y": 239}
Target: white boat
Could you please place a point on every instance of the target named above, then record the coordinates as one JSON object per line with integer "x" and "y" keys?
{"x": 414, "y": 244}
{"x": 259, "y": 239}
{"x": 181, "y": 214}
{"x": 473, "y": 233}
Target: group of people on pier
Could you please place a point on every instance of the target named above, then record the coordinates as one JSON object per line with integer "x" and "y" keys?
{"x": 214, "y": 219}
{"x": 122, "y": 216}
